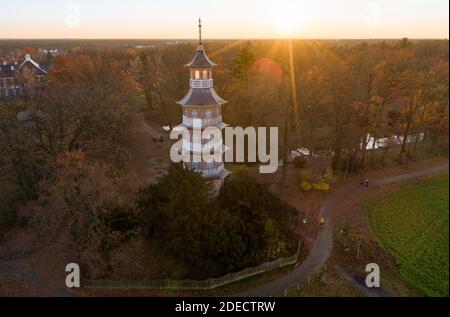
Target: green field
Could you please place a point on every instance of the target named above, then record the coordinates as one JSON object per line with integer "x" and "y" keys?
{"x": 412, "y": 224}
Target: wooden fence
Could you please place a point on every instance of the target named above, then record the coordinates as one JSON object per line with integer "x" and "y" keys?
{"x": 208, "y": 284}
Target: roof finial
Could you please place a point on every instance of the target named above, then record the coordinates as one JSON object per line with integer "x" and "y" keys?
{"x": 200, "y": 31}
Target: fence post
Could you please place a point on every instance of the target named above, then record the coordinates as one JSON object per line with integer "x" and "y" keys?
{"x": 299, "y": 247}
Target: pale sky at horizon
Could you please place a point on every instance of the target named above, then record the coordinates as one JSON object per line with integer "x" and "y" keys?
{"x": 227, "y": 19}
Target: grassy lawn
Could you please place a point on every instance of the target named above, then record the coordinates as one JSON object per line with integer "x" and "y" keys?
{"x": 412, "y": 224}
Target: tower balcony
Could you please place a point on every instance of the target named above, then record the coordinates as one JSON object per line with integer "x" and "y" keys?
{"x": 197, "y": 148}
{"x": 208, "y": 170}
{"x": 202, "y": 83}
{"x": 188, "y": 122}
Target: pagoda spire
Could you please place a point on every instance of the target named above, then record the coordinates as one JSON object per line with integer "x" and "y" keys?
{"x": 200, "y": 32}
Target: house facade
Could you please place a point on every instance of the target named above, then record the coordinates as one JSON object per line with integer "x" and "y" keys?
{"x": 16, "y": 79}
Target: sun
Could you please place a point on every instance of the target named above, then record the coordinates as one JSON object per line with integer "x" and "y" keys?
{"x": 288, "y": 16}
{"x": 288, "y": 22}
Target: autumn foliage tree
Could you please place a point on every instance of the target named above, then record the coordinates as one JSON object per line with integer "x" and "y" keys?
{"x": 88, "y": 105}
{"x": 82, "y": 206}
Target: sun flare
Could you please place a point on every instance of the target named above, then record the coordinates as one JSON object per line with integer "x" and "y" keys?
{"x": 288, "y": 16}
{"x": 288, "y": 22}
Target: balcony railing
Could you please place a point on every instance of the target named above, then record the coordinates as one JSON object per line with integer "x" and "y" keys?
{"x": 205, "y": 123}
{"x": 208, "y": 172}
{"x": 196, "y": 83}
{"x": 206, "y": 151}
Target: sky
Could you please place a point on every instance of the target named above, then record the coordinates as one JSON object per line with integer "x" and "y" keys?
{"x": 224, "y": 19}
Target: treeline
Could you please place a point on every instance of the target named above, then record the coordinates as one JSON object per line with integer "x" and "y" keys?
{"x": 64, "y": 169}
{"x": 336, "y": 98}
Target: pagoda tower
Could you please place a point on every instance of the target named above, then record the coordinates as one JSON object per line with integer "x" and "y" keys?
{"x": 202, "y": 105}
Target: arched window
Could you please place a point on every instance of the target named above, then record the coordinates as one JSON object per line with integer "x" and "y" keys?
{"x": 205, "y": 74}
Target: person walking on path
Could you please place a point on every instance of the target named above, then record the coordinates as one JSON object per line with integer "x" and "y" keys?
{"x": 367, "y": 183}
{"x": 322, "y": 222}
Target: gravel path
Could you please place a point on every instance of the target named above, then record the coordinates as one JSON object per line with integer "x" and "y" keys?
{"x": 36, "y": 283}
{"x": 360, "y": 284}
{"x": 154, "y": 133}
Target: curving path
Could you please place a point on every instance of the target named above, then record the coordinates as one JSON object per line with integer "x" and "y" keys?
{"x": 323, "y": 244}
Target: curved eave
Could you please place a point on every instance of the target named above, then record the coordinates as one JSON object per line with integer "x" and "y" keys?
{"x": 201, "y": 60}
{"x": 202, "y": 97}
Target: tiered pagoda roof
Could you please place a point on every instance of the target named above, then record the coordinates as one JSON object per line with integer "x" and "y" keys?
{"x": 200, "y": 60}
{"x": 201, "y": 97}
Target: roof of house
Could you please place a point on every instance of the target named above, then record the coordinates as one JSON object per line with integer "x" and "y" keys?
{"x": 29, "y": 61}
{"x": 8, "y": 71}
{"x": 200, "y": 60}
{"x": 45, "y": 67}
{"x": 201, "y": 97}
